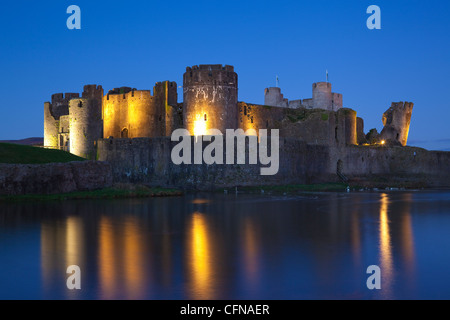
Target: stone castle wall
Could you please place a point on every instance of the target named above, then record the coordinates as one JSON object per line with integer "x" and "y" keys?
{"x": 390, "y": 165}
{"x": 148, "y": 160}
{"x": 16, "y": 179}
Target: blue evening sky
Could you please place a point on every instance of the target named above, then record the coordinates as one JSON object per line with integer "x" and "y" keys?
{"x": 137, "y": 43}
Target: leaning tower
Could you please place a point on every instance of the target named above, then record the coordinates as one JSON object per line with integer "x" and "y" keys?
{"x": 86, "y": 124}
{"x": 209, "y": 98}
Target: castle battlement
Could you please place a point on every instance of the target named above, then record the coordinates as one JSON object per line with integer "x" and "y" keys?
{"x": 210, "y": 75}
{"x": 63, "y": 97}
{"x": 323, "y": 98}
{"x": 211, "y": 67}
{"x": 129, "y": 95}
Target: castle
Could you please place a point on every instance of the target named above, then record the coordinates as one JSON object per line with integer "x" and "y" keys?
{"x": 210, "y": 101}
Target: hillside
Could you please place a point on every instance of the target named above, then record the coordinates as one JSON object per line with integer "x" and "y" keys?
{"x": 22, "y": 154}
{"x": 28, "y": 141}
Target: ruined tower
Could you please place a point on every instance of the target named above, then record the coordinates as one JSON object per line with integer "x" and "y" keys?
{"x": 53, "y": 111}
{"x": 396, "y": 121}
{"x": 86, "y": 124}
{"x": 210, "y": 98}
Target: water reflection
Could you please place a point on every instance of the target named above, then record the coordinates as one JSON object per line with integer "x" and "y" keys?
{"x": 385, "y": 248}
{"x": 107, "y": 262}
{"x": 251, "y": 254}
{"x": 223, "y": 247}
{"x": 199, "y": 257}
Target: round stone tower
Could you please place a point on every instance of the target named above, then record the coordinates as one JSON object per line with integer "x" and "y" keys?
{"x": 322, "y": 97}
{"x": 86, "y": 124}
{"x": 346, "y": 130}
{"x": 209, "y": 98}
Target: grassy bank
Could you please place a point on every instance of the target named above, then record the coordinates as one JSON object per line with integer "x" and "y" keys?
{"x": 116, "y": 192}
{"x": 21, "y": 154}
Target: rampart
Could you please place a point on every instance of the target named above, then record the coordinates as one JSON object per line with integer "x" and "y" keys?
{"x": 148, "y": 160}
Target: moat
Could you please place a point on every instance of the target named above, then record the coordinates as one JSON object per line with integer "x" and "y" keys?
{"x": 217, "y": 246}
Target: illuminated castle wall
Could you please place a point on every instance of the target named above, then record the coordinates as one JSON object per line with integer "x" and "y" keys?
{"x": 131, "y": 113}
{"x": 210, "y": 94}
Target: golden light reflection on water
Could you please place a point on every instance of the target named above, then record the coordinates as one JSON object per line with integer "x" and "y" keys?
{"x": 107, "y": 263}
{"x": 200, "y": 258}
{"x": 251, "y": 253}
{"x": 133, "y": 260}
{"x": 386, "y": 263}
{"x": 121, "y": 262}
{"x": 74, "y": 241}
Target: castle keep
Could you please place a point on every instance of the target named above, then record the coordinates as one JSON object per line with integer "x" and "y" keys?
{"x": 210, "y": 101}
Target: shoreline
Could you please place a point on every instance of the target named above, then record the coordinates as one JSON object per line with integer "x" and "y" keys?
{"x": 118, "y": 191}
{"x": 133, "y": 191}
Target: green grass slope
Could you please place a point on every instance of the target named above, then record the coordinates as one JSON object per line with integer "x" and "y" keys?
{"x": 21, "y": 154}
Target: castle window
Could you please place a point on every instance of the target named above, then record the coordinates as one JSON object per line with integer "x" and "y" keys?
{"x": 206, "y": 119}
{"x": 107, "y": 97}
{"x": 132, "y": 93}
{"x": 80, "y": 104}
{"x": 267, "y": 124}
{"x": 251, "y": 119}
{"x": 124, "y": 133}
{"x": 124, "y": 95}
{"x": 245, "y": 110}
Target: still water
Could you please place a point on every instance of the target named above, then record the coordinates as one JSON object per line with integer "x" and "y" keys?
{"x": 214, "y": 246}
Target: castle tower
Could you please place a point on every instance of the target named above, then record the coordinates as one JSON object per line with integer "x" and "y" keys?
{"x": 346, "y": 127}
{"x": 210, "y": 98}
{"x": 322, "y": 96}
{"x": 51, "y": 126}
{"x": 52, "y": 114}
{"x": 115, "y": 111}
{"x": 273, "y": 97}
{"x": 86, "y": 123}
{"x": 166, "y": 97}
{"x": 131, "y": 113}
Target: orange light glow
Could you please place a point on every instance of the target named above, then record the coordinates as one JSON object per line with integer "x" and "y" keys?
{"x": 199, "y": 126}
